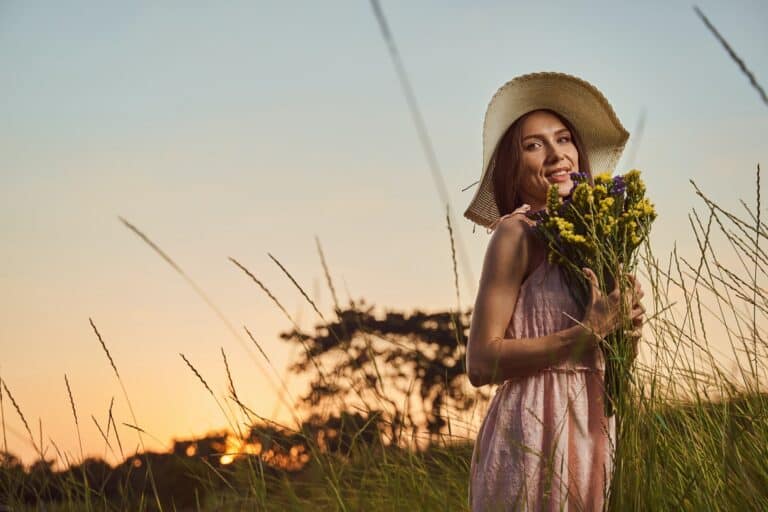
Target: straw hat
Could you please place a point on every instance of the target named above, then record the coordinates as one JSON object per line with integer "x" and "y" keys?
{"x": 602, "y": 134}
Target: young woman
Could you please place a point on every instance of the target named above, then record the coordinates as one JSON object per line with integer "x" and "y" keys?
{"x": 545, "y": 443}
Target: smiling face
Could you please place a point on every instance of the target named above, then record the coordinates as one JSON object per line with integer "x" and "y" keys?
{"x": 548, "y": 155}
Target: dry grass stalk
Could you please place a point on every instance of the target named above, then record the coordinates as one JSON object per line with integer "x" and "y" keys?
{"x": 74, "y": 414}
{"x": 23, "y": 419}
{"x": 733, "y": 55}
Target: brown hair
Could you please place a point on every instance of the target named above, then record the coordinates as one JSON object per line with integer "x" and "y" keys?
{"x": 505, "y": 163}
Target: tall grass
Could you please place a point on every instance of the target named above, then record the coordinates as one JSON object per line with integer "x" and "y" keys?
{"x": 693, "y": 435}
{"x": 693, "y": 432}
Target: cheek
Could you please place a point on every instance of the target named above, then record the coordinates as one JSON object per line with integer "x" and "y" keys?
{"x": 530, "y": 165}
{"x": 573, "y": 153}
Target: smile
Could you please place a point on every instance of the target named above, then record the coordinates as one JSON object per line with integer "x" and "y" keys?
{"x": 558, "y": 176}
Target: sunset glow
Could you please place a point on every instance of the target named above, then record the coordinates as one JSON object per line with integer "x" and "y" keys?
{"x": 239, "y": 130}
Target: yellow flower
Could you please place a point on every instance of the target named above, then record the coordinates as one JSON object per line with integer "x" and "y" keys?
{"x": 606, "y": 226}
{"x": 582, "y": 195}
{"x": 563, "y": 225}
{"x": 553, "y": 199}
{"x": 635, "y": 186}
{"x": 598, "y": 226}
{"x": 644, "y": 207}
{"x": 605, "y": 205}
{"x": 574, "y": 238}
{"x": 599, "y": 192}
{"x": 603, "y": 178}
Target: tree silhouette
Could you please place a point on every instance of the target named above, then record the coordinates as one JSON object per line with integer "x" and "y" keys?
{"x": 389, "y": 356}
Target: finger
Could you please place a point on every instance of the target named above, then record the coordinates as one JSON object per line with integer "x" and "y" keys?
{"x": 635, "y": 342}
{"x": 630, "y": 299}
{"x": 592, "y": 278}
{"x": 639, "y": 293}
{"x": 590, "y": 275}
{"x": 634, "y": 334}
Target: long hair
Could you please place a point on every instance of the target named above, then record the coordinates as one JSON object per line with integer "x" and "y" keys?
{"x": 505, "y": 163}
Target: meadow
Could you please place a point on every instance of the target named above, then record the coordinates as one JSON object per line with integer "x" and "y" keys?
{"x": 693, "y": 434}
{"x": 693, "y": 428}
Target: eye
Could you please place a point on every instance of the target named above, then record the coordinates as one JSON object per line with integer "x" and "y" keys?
{"x": 565, "y": 138}
{"x": 530, "y": 146}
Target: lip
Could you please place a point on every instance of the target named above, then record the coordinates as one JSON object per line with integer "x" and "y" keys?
{"x": 558, "y": 179}
{"x": 553, "y": 171}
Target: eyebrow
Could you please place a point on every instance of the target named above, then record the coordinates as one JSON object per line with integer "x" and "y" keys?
{"x": 542, "y": 136}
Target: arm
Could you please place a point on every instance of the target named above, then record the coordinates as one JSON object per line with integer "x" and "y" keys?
{"x": 490, "y": 357}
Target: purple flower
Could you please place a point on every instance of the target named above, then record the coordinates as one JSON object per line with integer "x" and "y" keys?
{"x": 618, "y": 186}
{"x": 578, "y": 177}
{"x": 537, "y": 215}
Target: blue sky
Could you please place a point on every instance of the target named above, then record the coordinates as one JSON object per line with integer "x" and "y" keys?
{"x": 242, "y": 128}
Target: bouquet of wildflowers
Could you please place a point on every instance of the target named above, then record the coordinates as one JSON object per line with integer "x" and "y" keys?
{"x": 599, "y": 226}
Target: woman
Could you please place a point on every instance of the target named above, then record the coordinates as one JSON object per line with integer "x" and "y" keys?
{"x": 545, "y": 443}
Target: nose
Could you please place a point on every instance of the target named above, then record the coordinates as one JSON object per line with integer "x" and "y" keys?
{"x": 555, "y": 153}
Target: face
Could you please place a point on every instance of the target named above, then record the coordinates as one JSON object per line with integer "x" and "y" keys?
{"x": 548, "y": 155}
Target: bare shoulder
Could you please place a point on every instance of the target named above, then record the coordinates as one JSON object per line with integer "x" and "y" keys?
{"x": 514, "y": 245}
{"x": 515, "y": 229}
{"x": 510, "y": 247}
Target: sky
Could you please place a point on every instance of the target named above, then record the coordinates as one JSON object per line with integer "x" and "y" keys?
{"x": 243, "y": 129}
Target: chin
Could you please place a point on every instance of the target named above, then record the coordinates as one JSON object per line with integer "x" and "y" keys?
{"x": 565, "y": 188}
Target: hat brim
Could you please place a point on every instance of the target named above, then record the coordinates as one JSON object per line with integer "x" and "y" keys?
{"x": 601, "y": 132}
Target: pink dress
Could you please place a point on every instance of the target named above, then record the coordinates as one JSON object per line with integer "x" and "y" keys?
{"x": 545, "y": 442}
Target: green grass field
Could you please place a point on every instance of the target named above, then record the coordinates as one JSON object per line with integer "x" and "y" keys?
{"x": 694, "y": 430}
